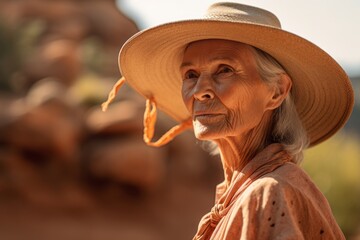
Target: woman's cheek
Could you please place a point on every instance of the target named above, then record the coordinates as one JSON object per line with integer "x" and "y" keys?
{"x": 187, "y": 97}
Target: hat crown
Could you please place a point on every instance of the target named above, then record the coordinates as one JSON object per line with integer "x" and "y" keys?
{"x": 235, "y": 12}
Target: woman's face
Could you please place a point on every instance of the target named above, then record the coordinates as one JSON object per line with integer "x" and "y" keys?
{"x": 222, "y": 89}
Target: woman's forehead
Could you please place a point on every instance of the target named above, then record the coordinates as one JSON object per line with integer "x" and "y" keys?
{"x": 214, "y": 49}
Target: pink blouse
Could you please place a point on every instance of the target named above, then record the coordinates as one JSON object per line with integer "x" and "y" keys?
{"x": 271, "y": 198}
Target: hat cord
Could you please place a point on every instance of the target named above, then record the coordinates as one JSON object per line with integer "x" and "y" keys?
{"x": 149, "y": 119}
{"x": 112, "y": 93}
{"x": 149, "y": 126}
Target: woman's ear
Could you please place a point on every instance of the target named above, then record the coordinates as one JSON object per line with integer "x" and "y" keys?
{"x": 281, "y": 91}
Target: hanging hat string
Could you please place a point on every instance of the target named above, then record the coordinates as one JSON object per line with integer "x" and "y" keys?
{"x": 149, "y": 126}
{"x": 149, "y": 119}
{"x": 112, "y": 93}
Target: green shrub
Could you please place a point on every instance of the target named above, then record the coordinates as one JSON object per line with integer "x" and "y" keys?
{"x": 335, "y": 167}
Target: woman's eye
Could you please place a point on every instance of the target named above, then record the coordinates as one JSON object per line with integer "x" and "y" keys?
{"x": 190, "y": 75}
{"x": 225, "y": 69}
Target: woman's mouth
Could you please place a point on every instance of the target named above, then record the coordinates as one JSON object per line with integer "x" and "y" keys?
{"x": 206, "y": 116}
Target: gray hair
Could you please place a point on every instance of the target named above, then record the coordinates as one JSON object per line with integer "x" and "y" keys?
{"x": 287, "y": 127}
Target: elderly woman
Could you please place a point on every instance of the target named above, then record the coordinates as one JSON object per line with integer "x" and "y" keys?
{"x": 260, "y": 95}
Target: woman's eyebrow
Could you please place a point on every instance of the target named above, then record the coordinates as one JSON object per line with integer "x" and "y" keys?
{"x": 186, "y": 64}
{"x": 215, "y": 59}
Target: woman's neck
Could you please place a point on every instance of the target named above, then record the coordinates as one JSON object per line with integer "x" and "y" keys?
{"x": 237, "y": 151}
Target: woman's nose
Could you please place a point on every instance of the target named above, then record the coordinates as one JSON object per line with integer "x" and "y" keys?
{"x": 203, "y": 88}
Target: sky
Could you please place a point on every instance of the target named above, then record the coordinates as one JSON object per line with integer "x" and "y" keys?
{"x": 333, "y": 25}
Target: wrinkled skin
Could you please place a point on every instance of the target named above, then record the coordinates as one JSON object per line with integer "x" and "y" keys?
{"x": 230, "y": 104}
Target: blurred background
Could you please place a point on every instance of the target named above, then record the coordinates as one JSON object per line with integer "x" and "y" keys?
{"x": 69, "y": 171}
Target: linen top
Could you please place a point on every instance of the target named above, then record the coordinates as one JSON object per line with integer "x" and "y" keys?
{"x": 270, "y": 198}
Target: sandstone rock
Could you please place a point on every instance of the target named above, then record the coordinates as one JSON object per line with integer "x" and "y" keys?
{"x": 128, "y": 161}
{"x": 45, "y": 124}
{"x": 29, "y": 181}
{"x": 107, "y": 22}
{"x": 123, "y": 117}
{"x": 50, "y": 11}
{"x": 75, "y": 28}
{"x": 58, "y": 59}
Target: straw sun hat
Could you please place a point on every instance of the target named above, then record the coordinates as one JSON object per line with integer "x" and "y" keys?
{"x": 322, "y": 92}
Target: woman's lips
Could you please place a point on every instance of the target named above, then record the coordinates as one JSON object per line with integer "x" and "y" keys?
{"x": 205, "y": 116}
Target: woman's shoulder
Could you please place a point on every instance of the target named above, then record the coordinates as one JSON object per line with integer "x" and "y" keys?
{"x": 288, "y": 177}
{"x": 285, "y": 202}
{"x": 286, "y": 187}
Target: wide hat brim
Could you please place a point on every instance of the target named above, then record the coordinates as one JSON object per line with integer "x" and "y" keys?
{"x": 322, "y": 92}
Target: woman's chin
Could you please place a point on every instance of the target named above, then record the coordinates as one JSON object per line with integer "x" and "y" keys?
{"x": 208, "y": 131}
{"x": 205, "y": 134}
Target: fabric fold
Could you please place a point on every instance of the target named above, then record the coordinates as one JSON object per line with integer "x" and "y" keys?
{"x": 265, "y": 162}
